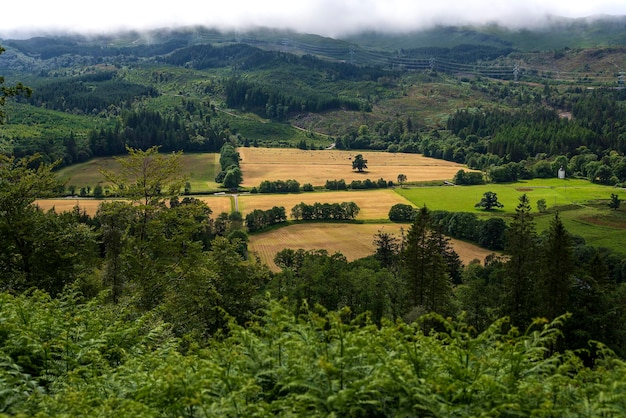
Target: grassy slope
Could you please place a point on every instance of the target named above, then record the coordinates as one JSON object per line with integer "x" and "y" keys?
{"x": 200, "y": 169}
{"x": 582, "y": 206}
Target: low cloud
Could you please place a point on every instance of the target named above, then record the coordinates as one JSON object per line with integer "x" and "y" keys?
{"x": 324, "y": 17}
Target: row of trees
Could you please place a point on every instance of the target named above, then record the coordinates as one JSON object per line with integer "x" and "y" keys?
{"x": 260, "y": 219}
{"x": 136, "y": 129}
{"x": 230, "y": 174}
{"x": 325, "y": 211}
{"x": 280, "y": 186}
{"x": 488, "y": 233}
{"x": 357, "y": 184}
{"x": 293, "y": 186}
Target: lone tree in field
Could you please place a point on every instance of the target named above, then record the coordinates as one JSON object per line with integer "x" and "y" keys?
{"x": 359, "y": 163}
{"x": 401, "y": 179}
{"x": 615, "y": 202}
{"x": 541, "y": 205}
{"x": 489, "y": 201}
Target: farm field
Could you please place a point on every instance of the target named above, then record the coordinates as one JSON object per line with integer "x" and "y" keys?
{"x": 463, "y": 198}
{"x": 218, "y": 204}
{"x": 582, "y": 205}
{"x": 200, "y": 169}
{"x": 374, "y": 204}
{"x": 352, "y": 240}
{"x": 317, "y": 166}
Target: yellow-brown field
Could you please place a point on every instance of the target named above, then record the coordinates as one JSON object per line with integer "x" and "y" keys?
{"x": 218, "y": 204}
{"x": 315, "y": 167}
{"x": 90, "y": 206}
{"x": 374, "y": 204}
{"x": 352, "y": 240}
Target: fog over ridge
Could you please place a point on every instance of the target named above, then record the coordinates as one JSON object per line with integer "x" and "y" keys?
{"x": 323, "y": 17}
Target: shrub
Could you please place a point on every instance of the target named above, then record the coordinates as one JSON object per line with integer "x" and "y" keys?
{"x": 402, "y": 213}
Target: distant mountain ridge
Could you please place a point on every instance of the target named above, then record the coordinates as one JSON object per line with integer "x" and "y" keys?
{"x": 557, "y": 33}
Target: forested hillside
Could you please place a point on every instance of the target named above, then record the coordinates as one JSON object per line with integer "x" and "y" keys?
{"x": 489, "y": 104}
{"x": 155, "y": 305}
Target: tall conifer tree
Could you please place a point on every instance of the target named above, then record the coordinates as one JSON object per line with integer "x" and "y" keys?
{"x": 557, "y": 266}
{"x": 521, "y": 269}
{"x": 425, "y": 270}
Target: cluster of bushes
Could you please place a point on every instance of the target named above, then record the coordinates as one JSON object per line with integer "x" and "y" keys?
{"x": 259, "y": 219}
{"x": 358, "y": 184}
{"x": 325, "y": 211}
{"x": 466, "y": 178}
{"x": 488, "y": 233}
{"x": 336, "y": 185}
{"x": 369, "y": 184}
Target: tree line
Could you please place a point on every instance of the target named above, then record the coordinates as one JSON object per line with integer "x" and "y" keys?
{"x": 133, "y": 128}
{"x": 325, "y": 211}
{"x": 230, "y": 174}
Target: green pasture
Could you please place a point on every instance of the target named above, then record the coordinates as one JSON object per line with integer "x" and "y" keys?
{"x": 200, "y": 169}
{"x": 463, "y": 198}
{"x": 581, "y": 204}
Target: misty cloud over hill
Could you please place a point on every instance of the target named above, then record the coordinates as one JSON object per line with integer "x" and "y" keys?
{"x": 323, "y": 17}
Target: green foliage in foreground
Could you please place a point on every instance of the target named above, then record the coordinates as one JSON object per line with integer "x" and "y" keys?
{"x": 67, "y": 357}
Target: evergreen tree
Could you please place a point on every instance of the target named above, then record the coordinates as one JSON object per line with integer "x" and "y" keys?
{"x": 521, "y": 269}
{"x": 387, "y": 248}
{"x": 557, "y": 266}
{"x": 424, "y": 267}
{"x": 615, "y": 202}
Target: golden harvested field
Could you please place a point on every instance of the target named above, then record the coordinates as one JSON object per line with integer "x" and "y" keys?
{"x": 67, "y": 204}
{"x": 315, "y": 167}
{"x": 218, "y": 204}
{"x": 374, "y": 204}
{"x": 352, "y": 240}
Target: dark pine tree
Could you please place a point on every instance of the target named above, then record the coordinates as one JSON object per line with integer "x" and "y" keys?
{"x": 521, "y": 269}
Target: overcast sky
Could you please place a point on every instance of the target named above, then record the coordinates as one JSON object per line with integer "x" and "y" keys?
{"x": 324, "y": 17}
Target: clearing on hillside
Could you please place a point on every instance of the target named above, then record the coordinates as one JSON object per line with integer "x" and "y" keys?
{"x": 352, "y": 240}
{"x": 317, "y": 166}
